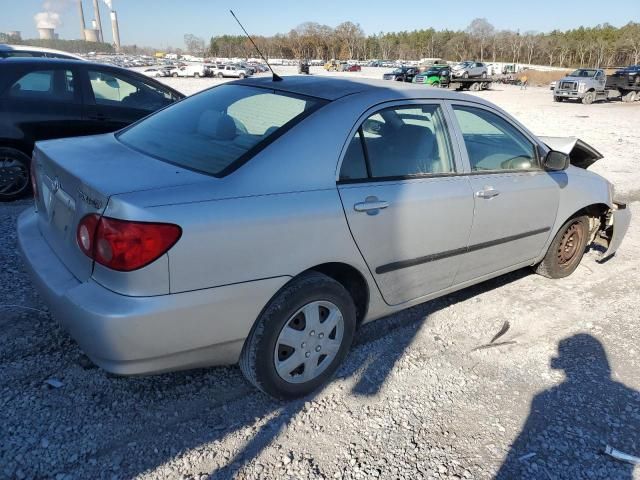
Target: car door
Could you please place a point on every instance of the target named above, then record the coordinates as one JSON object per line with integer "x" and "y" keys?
{"x": 44, "y": 101}
{"x": 114, "y": 99}
{"x": 600, "y": 80}
{"x": 516, "y": 201}
{"x": 408, "y": 209}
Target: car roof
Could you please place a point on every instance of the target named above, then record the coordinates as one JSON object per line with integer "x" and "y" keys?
{"x": 28, "y": 48}
{"x": 332, "y": 88}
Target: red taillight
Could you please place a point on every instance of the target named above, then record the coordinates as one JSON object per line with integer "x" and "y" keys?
{"x": 122, "y": 244}
{"x": 32, "y": 175}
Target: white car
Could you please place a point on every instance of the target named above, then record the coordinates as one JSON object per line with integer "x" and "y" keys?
{"x": 191, "y": 71}
{"x": 155, "y": 72}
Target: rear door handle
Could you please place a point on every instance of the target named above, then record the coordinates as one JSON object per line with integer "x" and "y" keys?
{"x": 488, "y": 192}
{"x": 371, "y": 205}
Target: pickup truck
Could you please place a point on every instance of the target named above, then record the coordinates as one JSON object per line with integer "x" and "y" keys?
{"x": 195, "y": 71}
{"x": 590, "y": 84}
{"x": 233, "y": 71}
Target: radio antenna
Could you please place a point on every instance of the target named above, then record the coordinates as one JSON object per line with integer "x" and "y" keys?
{"x": 275, "y": 77}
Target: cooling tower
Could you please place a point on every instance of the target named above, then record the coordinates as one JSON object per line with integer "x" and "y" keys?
{"x": 46, "y": 33}
{"x": 91, "y": 34}
{"x": 96, "y": 7}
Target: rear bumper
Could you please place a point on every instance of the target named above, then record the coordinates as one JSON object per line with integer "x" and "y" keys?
{"x": 140, "y": 335}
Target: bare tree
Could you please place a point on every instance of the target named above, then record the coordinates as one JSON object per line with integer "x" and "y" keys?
{"x": 481, "y": 30}
{"x": 349, "y": 34}
{"x": 195, "y": 45}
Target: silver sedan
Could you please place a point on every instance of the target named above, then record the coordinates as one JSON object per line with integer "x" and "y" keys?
{"x": 262, "y": 222}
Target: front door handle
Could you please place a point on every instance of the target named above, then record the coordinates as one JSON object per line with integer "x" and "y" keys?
{"x": 488, "y": 192}
{"x": 371, "y": 205}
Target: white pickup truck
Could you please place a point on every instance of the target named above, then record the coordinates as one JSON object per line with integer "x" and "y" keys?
{"x": 234, "y": 71}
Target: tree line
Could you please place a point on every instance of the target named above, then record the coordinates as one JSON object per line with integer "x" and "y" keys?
{"x": 599, "y": 46}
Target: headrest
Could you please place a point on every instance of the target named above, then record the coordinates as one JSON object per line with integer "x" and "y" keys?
{"x": 216, "y": 125}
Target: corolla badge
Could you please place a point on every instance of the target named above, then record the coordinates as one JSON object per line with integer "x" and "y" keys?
{"x": 97, "y": 204}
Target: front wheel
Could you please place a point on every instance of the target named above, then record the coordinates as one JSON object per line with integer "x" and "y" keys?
{"x": 589, "y": 98}
{"x": 14, "y": 174}
{"x": 484, "y": 74}
{"x": 175, "y": 75}
{"x": 241, "y": 76}
{"x": 196, "y": 75}
{"x": 465, "y": 75}
{"x": 220, "y": 75}
{"x": 300, "y": 338}
{"x": 566, "y": 249}
{"x": 557, "y": 98}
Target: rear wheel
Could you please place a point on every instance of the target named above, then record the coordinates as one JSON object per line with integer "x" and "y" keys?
{"x": 629, "y": 96}
{"x": 465, "y": 75}
{"x": 300, "y": 338}
{"x": 175, "y": 75}
{"x": 484, "y": 74}
{"x": 589, "y": 98}
{"x": 566, "y": 249}
{"x": 14, "y": 174}
{"x": 220, "y": 75}
{"x": 475, "y": 87}
{"x": 241, "y": 76}
{"x": 196, "y": 75}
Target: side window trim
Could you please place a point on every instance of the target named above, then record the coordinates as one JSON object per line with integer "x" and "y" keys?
{"x": 463, "y": 148}
{"x": 456, "y": 151}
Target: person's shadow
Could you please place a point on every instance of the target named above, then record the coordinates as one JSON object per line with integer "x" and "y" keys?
{"x": 570, "y": 425}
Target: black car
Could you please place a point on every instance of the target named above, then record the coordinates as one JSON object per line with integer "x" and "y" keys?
{"x": 401, "y": 74}
{"x": 42, "y": 99}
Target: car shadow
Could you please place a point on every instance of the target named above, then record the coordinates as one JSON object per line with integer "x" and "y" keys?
{"x": 379, "y": 364}
{"x": 571, "y": 424}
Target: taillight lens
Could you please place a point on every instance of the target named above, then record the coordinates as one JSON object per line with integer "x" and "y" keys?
{"x": 125, "y": 245}
{"x": 32, "y": 175}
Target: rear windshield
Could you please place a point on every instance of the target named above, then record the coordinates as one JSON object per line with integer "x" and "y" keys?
{"x": 216, "y": 131}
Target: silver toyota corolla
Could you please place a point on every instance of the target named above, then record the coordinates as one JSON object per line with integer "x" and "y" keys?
{"x": 261, "y": 222}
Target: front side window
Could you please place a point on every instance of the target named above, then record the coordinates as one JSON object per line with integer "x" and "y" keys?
{"x": 400, "y": 142}
{"x": 219, "y": 128}
{"x": 493, "y": 144}
{"x": 114, "y": 90}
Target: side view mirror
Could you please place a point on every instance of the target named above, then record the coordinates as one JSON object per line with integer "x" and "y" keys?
{"x": 555, "y": 161}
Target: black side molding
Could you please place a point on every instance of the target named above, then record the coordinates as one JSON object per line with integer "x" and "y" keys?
{"x": 390, "y": 267}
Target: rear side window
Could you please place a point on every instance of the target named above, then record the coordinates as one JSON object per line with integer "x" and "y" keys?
{"x": 400, "y": 142}
{"x": 44, "y": 85}
{"x": 217, "y": 130}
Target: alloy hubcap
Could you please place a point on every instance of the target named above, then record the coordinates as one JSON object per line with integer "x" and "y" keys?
{"x": 13, "y": 176}
{"x": 308, "y": 342}
{"x": 570, "y": 243}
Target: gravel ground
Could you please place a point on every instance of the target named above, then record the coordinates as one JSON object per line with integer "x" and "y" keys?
{"x": 420, "y": 396}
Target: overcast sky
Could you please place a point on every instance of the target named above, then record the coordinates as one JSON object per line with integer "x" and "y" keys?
{"x": 163, "y": 23}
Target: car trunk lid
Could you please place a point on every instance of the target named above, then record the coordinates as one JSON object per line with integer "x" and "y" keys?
{"x": 76, "y": 177}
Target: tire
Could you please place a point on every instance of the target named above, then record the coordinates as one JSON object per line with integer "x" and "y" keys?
{"x": 196, "y": 75}
{"x": 484, "y": 74}
{"x": 175, "y": 75}
{"x": 589, "y": 98}
{"x": 566, "y": 249}
{"x": 15, "y": 181}
{"x": 558, "y": 99}
{"x": 261, "y": 360}
{"x": 220, "y": 75}
{"x": 629, "y": 96}
{"x": 241, "y": 76}
{"x": 475, "y": 87}
{"x": 465, "y": 75}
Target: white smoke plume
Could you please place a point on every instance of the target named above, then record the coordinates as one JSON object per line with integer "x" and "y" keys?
{"x": 109, "y": 4}
{"x": 50, "y": 17}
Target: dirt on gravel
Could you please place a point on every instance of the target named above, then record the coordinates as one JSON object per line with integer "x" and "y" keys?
{"x": 424, "y": 393}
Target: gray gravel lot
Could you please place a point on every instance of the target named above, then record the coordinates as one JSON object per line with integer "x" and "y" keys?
{"x": 416, "y": 398}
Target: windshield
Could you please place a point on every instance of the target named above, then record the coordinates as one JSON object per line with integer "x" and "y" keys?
{"x": 465, "y": 64}
{"x": 583, "y": 72}
{"x": 218, "y": 130}
{"x": 398, "y": 70}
